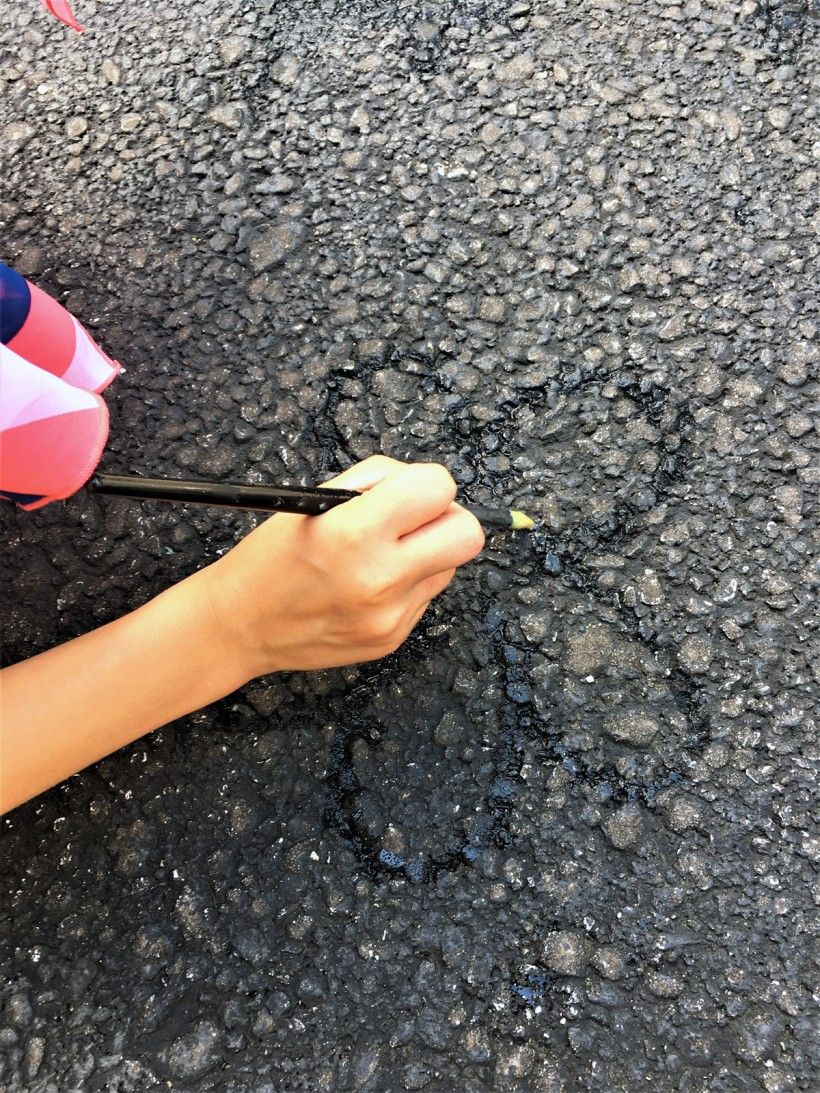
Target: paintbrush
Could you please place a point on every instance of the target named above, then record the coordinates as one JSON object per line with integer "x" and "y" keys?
{"x": 306, "y": 500}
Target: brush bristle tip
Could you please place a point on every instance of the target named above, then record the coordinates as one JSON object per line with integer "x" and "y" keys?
{"x": 519, "y": 521}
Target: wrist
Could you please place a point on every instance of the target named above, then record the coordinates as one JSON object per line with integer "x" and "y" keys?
{"x": 208, "y": 666}
{"x": 237, "y": 655}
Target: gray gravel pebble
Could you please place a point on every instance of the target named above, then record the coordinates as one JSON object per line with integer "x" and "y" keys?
{"x": 566, "y": 952}
{"x": 274, "y": 245}
{"x": 632, "y": 727}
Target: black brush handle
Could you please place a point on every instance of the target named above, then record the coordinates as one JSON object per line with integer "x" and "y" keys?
{"x": 234, "y": 495}
{"x": 307, "y": 501}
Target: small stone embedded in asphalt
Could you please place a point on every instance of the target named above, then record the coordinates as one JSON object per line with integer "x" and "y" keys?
{"x": 560, "y": 840}
{"x": 15, "y": 135}
{"x": 779, "y": 117}
{"x": 275, "y": 244}
{"x": 566, "y": 952}
{"x": 75, "y": 127}
{"x": 228, "y": 114}
{"x": 517, "y": 68}
{"x": 193, "y": 1054}
{"x": 491, "y": 309}
{"x": 490, "y": 132}
{"x": 624, "y": 827}
{"x": 449, "y": 730}
{"x": 130, "y": 123}
{"x": 683, "y": 814}
{"x": 552, "y": 564}
{"x": 609, "y": 961}
{"x": 696, "y": 654}
{"x": 35, "y": 1050}
{"x": 664, "y": 986}
{"x": 280, "y": 183}
{"x": 286, "y": 70}
{"x": 650, "y": 588}
{"x": 590, "y": 649}
{"x": 632, "y": 726}
{"x": 17, "y": 1010}
{"x": 360, "y": 119}
{"x": 110, "y": 71}
{"x": 233, "y": 48}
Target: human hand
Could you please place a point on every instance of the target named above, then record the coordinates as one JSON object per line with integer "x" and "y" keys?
{"x": 303, "y": 592}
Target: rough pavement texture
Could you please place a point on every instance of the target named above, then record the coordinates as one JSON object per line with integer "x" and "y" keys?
{"x": 562, "y": 840}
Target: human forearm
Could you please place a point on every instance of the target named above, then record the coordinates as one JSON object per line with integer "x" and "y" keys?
{"x": 298, "y": 593}
{"x": 70, "y": 706}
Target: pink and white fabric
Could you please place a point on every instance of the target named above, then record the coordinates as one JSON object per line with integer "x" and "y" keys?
{"x": 53, "y": 423}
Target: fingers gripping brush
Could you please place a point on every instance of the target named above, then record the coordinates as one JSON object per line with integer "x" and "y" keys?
{"x": 307, "y": 501}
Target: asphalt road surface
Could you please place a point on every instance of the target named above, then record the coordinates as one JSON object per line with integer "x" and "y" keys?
{"x": 563, "y": 840}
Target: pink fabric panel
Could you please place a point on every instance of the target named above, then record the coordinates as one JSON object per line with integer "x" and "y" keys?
{"x": 61, "y": 10}
{"x": 47, "y": 337}
{"x": 90, "y": 368}
{"x": 27, "y": 393}
{"x": 74, "y": 441}
{"x": 51, "y": 434}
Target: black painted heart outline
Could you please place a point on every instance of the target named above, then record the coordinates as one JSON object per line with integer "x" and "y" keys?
{"x": 565, "y": 556}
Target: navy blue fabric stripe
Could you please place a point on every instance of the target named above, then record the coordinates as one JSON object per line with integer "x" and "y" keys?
{"x": 15, "y": 301}
{"x": 21, "y": 498}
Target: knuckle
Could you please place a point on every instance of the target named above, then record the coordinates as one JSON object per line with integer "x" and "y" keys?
{"x": 434, "y": 477}
{"x": 347, "y": 535}
{"x": 350, "y": 535}
{"x": 364, "y": 589}
{"x": 446, "y": 579}
{"x": 385, "y": 630}
{"x": 369, "y": 587}
{"x": 436, "y": 584}
{"x": 381, "y": 462}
